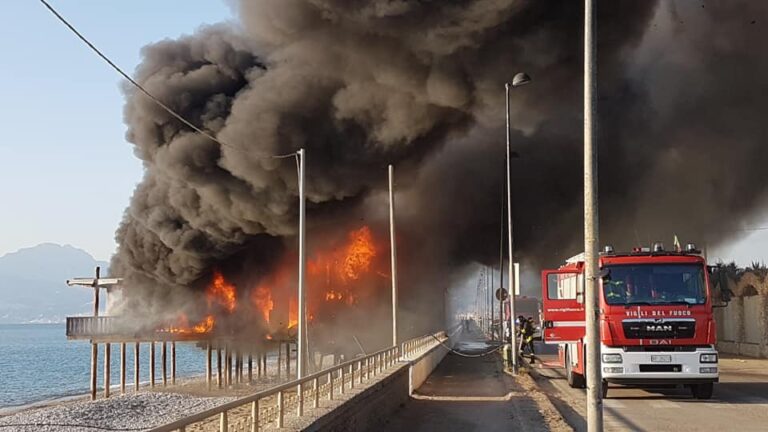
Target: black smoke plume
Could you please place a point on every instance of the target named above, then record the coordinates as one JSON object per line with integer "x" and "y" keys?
{"x": 420, "y": 84}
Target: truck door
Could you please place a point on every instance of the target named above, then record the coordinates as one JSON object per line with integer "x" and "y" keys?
{"x": 562, "y": 306}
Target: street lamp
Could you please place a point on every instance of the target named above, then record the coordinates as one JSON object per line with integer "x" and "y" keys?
{"x": 520, "y": 79}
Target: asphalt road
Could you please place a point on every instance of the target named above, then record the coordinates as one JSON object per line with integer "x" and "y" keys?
{"x": 739, "y": 403}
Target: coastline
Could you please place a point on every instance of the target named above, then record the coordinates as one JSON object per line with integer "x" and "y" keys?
{"x": 45, "y": 403}
{"x": 132, "y": 411}
{"x": 85, "y": 396}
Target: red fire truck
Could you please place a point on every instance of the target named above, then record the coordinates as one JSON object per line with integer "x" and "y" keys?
{"x": 656, "y": 322}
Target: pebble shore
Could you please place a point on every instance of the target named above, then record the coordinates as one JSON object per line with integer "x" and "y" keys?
{"x": 131, "y": 412}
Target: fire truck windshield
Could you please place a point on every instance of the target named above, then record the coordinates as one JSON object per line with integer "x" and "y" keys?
{"x": 655, "y": 284}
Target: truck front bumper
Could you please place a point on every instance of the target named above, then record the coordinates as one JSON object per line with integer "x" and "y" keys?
{"x": 658, "y": 367}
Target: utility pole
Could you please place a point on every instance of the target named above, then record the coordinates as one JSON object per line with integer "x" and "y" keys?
{"x": 594, "y": 379}
{"x": 393, "y": 247}
{"x": 301, "y": 343}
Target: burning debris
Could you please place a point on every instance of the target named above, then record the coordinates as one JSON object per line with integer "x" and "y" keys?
{"x": 420, "y": 84}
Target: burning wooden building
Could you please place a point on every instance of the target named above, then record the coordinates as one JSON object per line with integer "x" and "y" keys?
{"x": 237, "y": 323}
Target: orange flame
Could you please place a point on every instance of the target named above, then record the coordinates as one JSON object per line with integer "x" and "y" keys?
{"x": 359, "y": 254}
{"x": 183, "y": 327}
{"x": 293, "y": 312}
{"x": 333, "y": 295}
{"x": 343, "y": 265}
{"x": 221, "y": 292}
{"x": 262, "y": 300}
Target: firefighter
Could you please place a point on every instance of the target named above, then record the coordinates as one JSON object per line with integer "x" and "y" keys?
{"x": 525, "y": 332}
{"x": 614, "y": 292}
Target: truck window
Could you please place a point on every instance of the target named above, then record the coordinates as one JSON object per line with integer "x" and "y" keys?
{"x": 564, "y": 286}
{"x": 655, "y": 284}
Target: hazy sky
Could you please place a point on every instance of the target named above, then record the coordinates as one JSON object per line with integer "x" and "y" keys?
{"x": 66, "y": 172}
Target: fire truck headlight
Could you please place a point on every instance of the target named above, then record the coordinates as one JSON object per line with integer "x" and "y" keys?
{"x": 708, "y": 358}
{"x": 611, "y": 358}
{"x": 613, "y": 370}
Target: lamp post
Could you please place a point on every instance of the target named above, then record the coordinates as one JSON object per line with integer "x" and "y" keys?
{"x": 301, "y": 342}
{"x": 393, "y": 250}
{"x": 519, "y": 80}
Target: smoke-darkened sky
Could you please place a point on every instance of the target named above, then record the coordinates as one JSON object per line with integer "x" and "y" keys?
{"x": 421, "y": 85}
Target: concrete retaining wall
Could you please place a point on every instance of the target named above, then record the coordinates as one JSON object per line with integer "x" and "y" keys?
{"x": 423, "y": 366}
{"x": 742, "y": 326}
{"x": 368, "y": 409}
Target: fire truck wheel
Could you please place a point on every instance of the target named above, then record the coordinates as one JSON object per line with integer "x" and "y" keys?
{"x": 605, "y": 389}
{"x": 702, "y": 391}
{"x": 575, "y": 380}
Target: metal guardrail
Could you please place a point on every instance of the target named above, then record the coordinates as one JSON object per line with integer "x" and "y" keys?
{"x": 260, "y": 409}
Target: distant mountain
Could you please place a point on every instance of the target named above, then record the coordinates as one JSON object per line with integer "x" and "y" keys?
{"x": 33, "y": 288}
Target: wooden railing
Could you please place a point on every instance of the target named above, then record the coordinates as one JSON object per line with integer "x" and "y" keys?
{"x": 89, "y": 326}
{"x": 269, "y": 406}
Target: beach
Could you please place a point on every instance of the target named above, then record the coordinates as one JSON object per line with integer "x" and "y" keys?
{"x": 129, "y": 412}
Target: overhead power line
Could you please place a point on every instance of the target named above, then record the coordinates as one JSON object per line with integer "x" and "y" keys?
{"x": 141, "y": 88}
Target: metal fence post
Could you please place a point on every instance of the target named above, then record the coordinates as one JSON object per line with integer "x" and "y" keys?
{"x": 223, "y": 422}
{"x": 341, "y": 375}
{"x": 280, "y": 409}
{"x": 300, "y": 401}
{"x": 352, "y": 376}
{"x": 255, "y": 416}
{"x": 330, "y": 385}
{"x": 316, "y": 383}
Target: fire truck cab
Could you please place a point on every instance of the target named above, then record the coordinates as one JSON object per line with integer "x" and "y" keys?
{"x": 656, "y": 321}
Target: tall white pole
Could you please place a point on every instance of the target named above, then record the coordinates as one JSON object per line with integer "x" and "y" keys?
{"x": 301, "y": 360}
{"x": 594, "y": 379}
{"x": 511, "y": 269}
{"x": 393, "y": 247}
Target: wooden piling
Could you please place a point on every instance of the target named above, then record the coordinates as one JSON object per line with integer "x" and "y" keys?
{"x": 122, "y": 368}
{"x": 225, "y": 359}
{"x": 250, "y": 368}
{"x": 241, "y": 359}
{"x": 229, "y": 366}
{"x": 218, "y": 367}
{"x": 264, "y": 359}
{"x": 107, "y": 365}
{"x": 238, "y": 366}
{"x": 152, "y": 364}
{"x": 288, "y": 360}
{"x": 208, "y": 366}
{"x": 136, "y": 366}
{"x": 279, "y": 358}
{"x": 163, "y": 359}
{"x": 173, "y": 363}
{"x": 94, "y": 360}
{"x": 258, "y": 364}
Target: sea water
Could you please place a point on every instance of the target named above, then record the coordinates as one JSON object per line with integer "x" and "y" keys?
{"x": 38, "y": 363}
